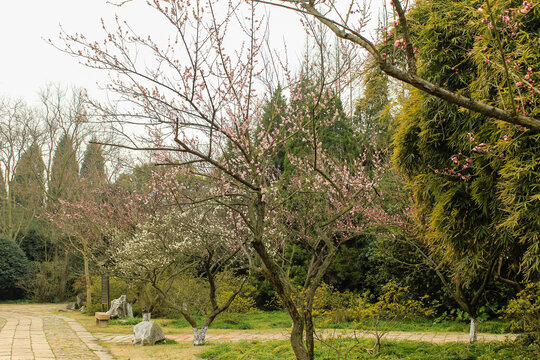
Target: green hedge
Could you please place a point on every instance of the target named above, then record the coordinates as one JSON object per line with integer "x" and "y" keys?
{"x": 13, "y": 267}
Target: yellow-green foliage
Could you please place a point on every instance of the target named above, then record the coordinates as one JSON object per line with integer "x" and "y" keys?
{"x": 244, "y": 302}
{"x": 117, "y": 287}
{"x": 393, "y": 304}
{"x": 524, "y": 310}
{"x": 332, "y": 305}
{"x": 475, "y": 180}
{"x": 193, "y": 293}
{"x": 187, "y": 289}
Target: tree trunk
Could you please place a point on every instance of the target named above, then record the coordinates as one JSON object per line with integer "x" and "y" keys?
{"x": 87, "y": 281}
{"x": 271, "y": 273}
{"x": 64, "y": 276}
{"x": 297, "y": 341}
{"x": 473, "y": 330}
{"x": 378, "y": 338}
{"x": 310, "y": 331}
{"x": 199, "y": 336}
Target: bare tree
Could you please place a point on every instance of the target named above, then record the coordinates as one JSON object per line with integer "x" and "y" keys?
{"x": 19, "y": 131}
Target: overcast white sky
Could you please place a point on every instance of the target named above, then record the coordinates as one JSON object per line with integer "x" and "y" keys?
{"x": 28, "y": 62}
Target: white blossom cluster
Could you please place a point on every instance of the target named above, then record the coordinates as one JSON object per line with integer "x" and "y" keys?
{"x": 165, "y": 239}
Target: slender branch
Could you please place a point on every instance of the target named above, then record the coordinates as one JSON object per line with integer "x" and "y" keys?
{"x": 498, "y": 40}
{"x": 409, "y": 48}
{"x": 409, "y": 77}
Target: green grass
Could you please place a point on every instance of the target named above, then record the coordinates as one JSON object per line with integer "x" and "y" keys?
{"x": 426, "y": 325}
{"x": 167, "y": 342}
{"x": 127, "y": 321}
{"x": 18, "y": 301}
{"x": 274, "y": 350}
{"x": 280, "y": 319}
{"x": 253, "y": 320}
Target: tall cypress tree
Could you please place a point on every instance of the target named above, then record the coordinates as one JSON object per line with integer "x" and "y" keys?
{"x": 64, "y": 171}
{"x": 26, "y": 193}
{"x": 3, "y": 203}
{"x": 3, "y": 192}
{"x": 334, "y": 131}
{"x": 337, "y": 139}
{"x": 28, "y": 179}
{"x": 274, "y": 113}
{"x": 372, "y": 117}
{"x": 64, "y": 184}
{"x": 93, "y": 165}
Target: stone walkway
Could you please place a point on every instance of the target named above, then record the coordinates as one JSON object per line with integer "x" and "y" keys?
{"x": 236, "y": 335}
{"x": 38, "y": 332}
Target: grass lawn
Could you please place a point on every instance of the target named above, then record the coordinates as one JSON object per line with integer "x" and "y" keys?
{"x": 429, "y": 325}
{"x": 280, "y": 319}
{"x": 171, "y": 350}
{"x": 274, "y": 350}
{"x": 255, "y": 320}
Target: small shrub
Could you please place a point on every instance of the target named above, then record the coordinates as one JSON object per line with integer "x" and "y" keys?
{"x": 524, "y": 311}
{"x": 244, "y": 302}
{"x": 44, "y": 281}
{"x": 127, "y": 321}
{"x": 13, "y": 268}
{"x": 332, "y": 304}
{"x": 394, "y": 304}
{"x": 233, "y": 319}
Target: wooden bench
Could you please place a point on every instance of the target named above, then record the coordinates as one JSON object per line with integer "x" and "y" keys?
{"x": 102, "y": 319}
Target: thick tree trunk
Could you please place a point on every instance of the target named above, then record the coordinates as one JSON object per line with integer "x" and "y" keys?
{"x": 87, "y": 281}
{"x": 297, "y": 341}
{"x": 310, "y": 331}
{"x": 199, "y": 336}
{"x": 473, "y": 330}
{"x": 271, "y": 272}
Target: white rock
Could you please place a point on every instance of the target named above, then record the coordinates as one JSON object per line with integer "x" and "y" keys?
{"x": 147, "y": 333}
{"x": 118, "y": 307}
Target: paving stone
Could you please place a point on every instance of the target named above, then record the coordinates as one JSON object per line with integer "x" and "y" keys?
{"x": 37, "y": 332}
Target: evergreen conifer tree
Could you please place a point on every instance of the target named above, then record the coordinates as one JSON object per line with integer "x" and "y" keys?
{"x": 25, "y": 195}
{"x": 372, "y": 113}
{"x": 93, "y": 165}
{"x": 3, "y": 196}
{"x": 64, "y": 171}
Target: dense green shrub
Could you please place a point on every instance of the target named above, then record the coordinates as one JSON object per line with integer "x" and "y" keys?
{"x": 37, "y": 246}
{"x": 524, "y": 312}
{"x": 244, "y": 302}
{"x": 13, "y": 267}
{"x": 46, "y": 281}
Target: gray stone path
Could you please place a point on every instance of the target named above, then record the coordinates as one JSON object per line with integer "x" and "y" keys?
{"x": 37, "y": 332}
